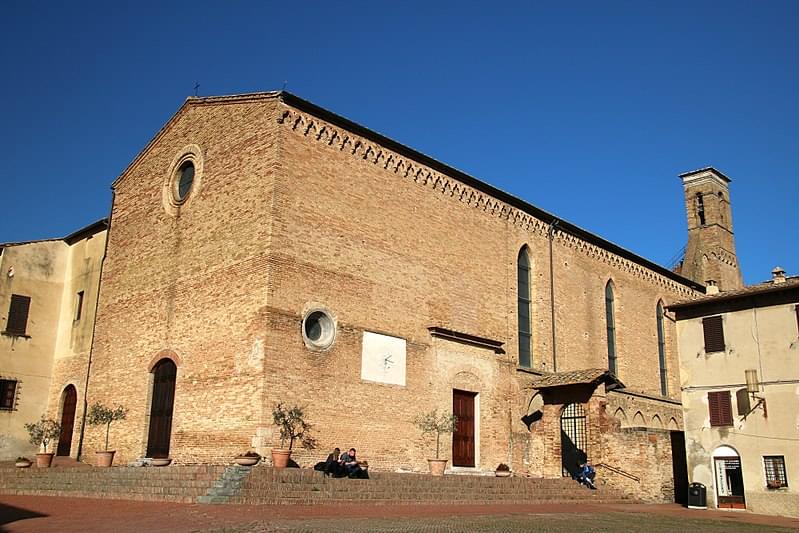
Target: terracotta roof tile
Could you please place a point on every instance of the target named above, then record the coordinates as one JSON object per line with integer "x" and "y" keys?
{"x": 791, "y": 282}
{"x": 575, "y": 377}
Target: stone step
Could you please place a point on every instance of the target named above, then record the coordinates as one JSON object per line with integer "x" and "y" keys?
{"x": 265, "y": 485}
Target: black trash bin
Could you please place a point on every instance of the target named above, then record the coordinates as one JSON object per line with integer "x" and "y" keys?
{"x": 697, "y": 496}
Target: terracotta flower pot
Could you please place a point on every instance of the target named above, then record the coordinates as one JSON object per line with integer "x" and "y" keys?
{"x": 161, "y": 461}
{"x": 244, "y": 460}
{"x": 437, "y": 466}
{"x": 105, "y": 459}
{"x": 280, "y": 457}
{"x": 44, "y": 460}
{"x": 502, "y": 473}
{"x": 23, "y": 464}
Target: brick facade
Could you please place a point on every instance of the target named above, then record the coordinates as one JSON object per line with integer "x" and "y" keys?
{"x": 297, "y": 209}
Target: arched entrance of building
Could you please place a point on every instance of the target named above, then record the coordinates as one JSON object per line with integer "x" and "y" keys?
{"x": 729, "y": 479}
{"x": 572, "y": 438}
{"x": 68, "y": 403}
{"x": 161, "y": 407}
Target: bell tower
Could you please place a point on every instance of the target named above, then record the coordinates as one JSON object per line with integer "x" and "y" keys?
{"x": 710, "y": 256}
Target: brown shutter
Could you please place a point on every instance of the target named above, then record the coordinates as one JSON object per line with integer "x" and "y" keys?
{"x": 720, "y": 406}
{"x": 714, "y": 334}
{"x": 18, "y": 314}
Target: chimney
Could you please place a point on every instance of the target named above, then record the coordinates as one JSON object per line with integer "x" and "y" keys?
{"x": 711, "y": 287}
{"x": 778, "y": 275}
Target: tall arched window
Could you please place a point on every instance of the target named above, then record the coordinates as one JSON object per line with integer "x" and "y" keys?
{"x": 664, "y": 377}
{"x": 610, "y": 318}
{"x": 525, "y": 320}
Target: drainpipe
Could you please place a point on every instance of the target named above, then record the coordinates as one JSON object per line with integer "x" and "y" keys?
{"x": 94, "y": 328}
{"x": 551, "y": 235}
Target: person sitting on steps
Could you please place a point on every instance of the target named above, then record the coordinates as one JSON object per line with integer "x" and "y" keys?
{"x": 333, "y": 465}
{"x": 587, "y": 475}
{"x": 350, "y": 463}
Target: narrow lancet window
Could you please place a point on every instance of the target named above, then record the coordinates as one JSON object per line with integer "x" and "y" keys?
{"x": 525, "y": 317}
{"x": 664, "y": 376}
{"x": 610, "y": 318}
{"x": 700, "y": 208}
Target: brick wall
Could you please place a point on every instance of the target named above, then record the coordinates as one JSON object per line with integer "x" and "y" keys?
{"x": 294, "y": 213}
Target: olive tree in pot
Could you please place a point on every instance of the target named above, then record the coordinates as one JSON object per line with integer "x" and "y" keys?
{"x": 438, "y": 423}
{"x": 99, "y": 415}
{"x": 41, "y": 434}
{"x": 293, "y": 428}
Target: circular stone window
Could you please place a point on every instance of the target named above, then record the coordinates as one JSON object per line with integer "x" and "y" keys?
{"x": 184, "y": 178}
{"x": 318, "y": 330}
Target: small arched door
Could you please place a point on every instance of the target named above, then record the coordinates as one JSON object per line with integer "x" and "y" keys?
{"x": 163, "y": 400}
{"x": 70, "y": 401}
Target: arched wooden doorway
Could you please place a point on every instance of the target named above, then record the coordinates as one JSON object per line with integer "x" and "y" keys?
{"x": 572, "y": 438}
{"x": 68, "y": 404}
{"x": 163, "y": 400}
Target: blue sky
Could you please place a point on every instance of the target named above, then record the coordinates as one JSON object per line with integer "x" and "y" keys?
{"x": 588, "y": 110}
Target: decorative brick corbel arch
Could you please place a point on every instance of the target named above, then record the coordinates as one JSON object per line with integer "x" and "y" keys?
{"x": 164, "y": 354}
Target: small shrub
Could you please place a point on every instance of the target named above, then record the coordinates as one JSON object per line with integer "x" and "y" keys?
{"x": 250, "y": 453}
{"x": 433, "y": 422}
{"x": 100, "y": 414}
{"x": 43, "y": 432}
{"x": 293, "y": 427}
{"x": 502, "y": 467}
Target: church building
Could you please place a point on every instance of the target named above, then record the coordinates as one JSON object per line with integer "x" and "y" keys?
{"x": 262, "y": 249}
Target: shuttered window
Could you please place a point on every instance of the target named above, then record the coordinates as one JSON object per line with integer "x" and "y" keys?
{"x": 8, "y": 393}
{"x": 714, "y": 334}
{"x": 17, "y": 323}
{"x": 720, "y": 405}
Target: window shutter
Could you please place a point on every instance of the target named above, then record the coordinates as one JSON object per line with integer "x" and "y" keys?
{"x": 720, "y": 406}
{"x": 714, "y": 334}
{"x": 18, "y": 314}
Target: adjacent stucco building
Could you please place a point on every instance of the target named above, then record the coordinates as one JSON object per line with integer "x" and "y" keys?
{"x": 740, "y": 383}
{"x": 48, "y": 294}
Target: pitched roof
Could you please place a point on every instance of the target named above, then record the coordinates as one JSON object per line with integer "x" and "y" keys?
{"x": 588, "y": 376}
{"x": 752, "y": 290}
{"x": 338, "y": 120}
{"x": 91, "y": 229}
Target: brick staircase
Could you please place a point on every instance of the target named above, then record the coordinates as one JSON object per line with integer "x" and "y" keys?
{"x": 172, "y": 483}
{"x": 293, "y": 486}
{"x": 265, "y": 485}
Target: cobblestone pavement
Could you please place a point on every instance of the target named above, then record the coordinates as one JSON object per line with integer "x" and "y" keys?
{"x": 20, "y": 514}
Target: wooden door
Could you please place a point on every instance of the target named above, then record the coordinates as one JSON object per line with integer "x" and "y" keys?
{"x": 67, "y": 421}
{"x": 463, "y": 436}
{"x": 161, "y": 408}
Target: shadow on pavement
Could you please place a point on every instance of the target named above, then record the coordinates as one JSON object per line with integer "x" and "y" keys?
{"x": 9, "y": 513}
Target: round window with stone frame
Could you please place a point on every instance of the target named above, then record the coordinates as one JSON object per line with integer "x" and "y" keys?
{"x": 318, "y": 330}
{"x": 183, "y": 181}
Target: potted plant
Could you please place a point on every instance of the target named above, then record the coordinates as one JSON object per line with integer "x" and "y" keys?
{"x": 774, "y": 483}
{"x": 99, "y": 415}
{"x": 41, "y": 434}
{"x": 160, "y": 461}
{"x": 22, "y": 462}
{"x": 433, "y": 422}
{"x": 502, "y": 470}
{"x": 249, "y": 458}
{"x": 294, "y": 428}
